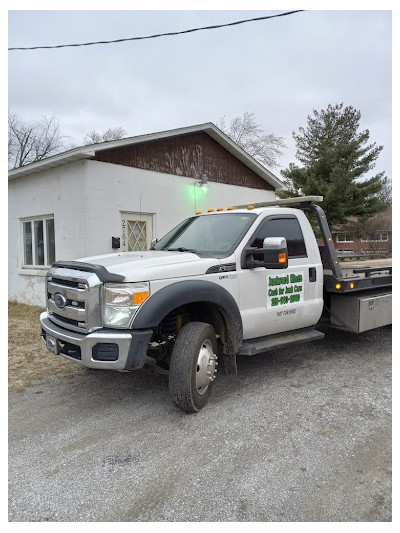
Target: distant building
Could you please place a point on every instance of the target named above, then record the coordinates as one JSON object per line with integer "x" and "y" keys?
{"x": 118, "y": 195}
{"x": 374, "y": 238}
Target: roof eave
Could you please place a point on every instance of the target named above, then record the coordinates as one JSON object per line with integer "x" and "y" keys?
{"x": 90, "y": 151}
{"x": 64, "y": 158}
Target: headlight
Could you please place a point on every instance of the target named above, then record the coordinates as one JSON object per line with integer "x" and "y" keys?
{"x": 121, "y": 301}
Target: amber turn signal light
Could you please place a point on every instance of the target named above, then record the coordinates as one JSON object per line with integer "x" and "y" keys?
{"x": 139, "y": 297}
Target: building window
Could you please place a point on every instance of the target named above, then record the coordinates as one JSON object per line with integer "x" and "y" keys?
{"x": 38, "y": 241}
{"x": 344, "y": 237}
{"x": 379, "y": 236}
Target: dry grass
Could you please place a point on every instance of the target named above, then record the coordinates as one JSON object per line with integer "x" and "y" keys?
{"x": 29, "y": 361}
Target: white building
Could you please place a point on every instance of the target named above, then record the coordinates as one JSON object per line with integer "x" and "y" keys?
{"x": 79, "y": 203}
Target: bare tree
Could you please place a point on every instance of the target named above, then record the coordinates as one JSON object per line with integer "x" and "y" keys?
{"x": 112, "y": 134}
{"x": 250, "y": 136}
{"x": 28, "y": 143}
{"x": 386, "y": 193}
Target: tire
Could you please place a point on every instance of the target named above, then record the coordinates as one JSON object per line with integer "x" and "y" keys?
{"x": 193, "y": 366}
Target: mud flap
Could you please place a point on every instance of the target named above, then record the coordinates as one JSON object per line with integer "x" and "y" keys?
{"x": 230, "y": 364}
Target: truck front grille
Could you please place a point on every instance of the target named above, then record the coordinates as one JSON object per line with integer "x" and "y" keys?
{"x": 66, "y": 320}
{"x": 66, "y": 282}
{"x": 73, "y": 299}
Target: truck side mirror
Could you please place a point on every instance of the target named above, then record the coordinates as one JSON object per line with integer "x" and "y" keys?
{"x": 273, "y": 254}
{"x": 153, "y": 243}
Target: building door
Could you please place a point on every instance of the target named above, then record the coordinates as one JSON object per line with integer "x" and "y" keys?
{"x": 136, "y": 231}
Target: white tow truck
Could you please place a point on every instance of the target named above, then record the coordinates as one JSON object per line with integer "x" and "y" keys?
{"x": 239, "y": 281}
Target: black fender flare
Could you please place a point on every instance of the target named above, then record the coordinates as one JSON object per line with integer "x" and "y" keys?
{"x": 165, "y": 300}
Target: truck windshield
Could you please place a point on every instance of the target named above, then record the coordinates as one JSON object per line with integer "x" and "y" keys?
{"x": 208, "y": 236}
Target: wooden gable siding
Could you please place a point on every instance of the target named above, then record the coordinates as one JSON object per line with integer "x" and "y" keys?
{"x": 190, "y": 155}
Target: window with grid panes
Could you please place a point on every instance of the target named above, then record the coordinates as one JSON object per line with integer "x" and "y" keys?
{"x": 344, "y": 237}
{"x": 379, "y": 236}
{"x": 38, "y": 242}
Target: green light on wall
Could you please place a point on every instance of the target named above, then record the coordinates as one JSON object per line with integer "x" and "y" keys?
{"x": 196, "y": 192}
{"x": 203, "y": 183}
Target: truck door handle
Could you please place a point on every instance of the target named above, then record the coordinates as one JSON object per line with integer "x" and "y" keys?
{"x": 312, "y": 274}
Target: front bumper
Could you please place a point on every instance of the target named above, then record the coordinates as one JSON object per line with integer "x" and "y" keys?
{"x": 104, "y": 349}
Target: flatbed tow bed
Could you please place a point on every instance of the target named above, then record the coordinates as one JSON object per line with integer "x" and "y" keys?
{"x": 356, "y": 298}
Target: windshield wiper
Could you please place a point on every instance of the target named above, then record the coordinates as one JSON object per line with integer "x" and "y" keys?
{"x": 181, "y": 249}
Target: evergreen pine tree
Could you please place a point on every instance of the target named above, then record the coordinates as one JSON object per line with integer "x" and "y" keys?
{"x": 335, "y": 158}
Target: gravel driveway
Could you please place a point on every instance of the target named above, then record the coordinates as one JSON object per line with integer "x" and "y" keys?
{"x": 301, "y": 434}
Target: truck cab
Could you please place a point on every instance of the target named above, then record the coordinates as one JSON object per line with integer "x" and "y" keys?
{"x": 272, "y": 299}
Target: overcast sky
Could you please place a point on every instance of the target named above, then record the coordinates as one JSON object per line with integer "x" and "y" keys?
{"x": 279, "y": 69}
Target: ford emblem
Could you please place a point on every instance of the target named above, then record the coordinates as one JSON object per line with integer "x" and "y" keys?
{"x": 59, "y": 300}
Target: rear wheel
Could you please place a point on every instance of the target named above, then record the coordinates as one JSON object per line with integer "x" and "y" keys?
{"x": 193, "y": 366}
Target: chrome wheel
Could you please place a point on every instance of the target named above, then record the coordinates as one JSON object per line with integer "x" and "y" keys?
{"x": 206, "y": 367}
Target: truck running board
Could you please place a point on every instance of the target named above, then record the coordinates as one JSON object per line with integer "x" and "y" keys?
{"x": 271, "y": 342}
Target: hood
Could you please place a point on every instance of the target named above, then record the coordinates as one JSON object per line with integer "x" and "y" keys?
{"x": 152, "y": 265}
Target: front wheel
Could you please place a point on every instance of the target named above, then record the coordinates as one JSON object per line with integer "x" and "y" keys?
{"x": 193, "y": 366}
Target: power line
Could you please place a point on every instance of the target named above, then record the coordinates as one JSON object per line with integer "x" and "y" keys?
{"x": 160, "y": 34}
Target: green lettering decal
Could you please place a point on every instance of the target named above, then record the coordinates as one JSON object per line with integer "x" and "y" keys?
{"x": 285, "y": 290}
{"x": 278, "y": 281}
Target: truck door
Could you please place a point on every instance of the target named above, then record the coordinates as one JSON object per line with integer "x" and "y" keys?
{"x": 276, "y": 300}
